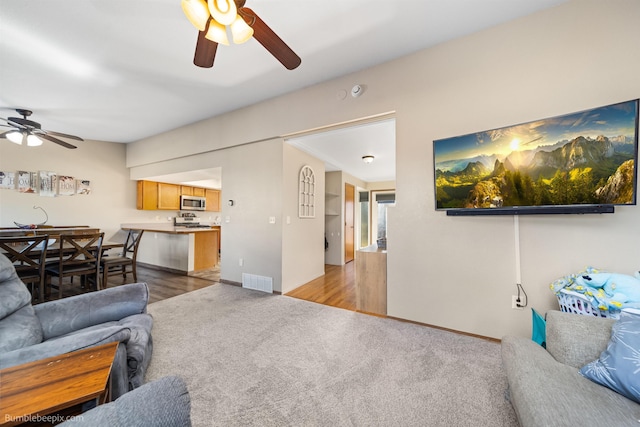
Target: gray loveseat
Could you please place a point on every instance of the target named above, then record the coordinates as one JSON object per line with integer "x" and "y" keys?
{"x": 161, "y": 403}
{"x": 545, "y": 387}
{"x": 29, "y": 333}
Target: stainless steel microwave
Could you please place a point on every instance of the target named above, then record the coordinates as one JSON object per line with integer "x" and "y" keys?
{"x": 192, "y": 203}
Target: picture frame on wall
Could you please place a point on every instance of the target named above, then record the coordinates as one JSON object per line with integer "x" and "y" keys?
{"x": 66, "y": 185}
{"x": 7, "y": 180}
{"x": 27, "y": 182}
{"x": 83, "y": 187}
{"x": 47, "y": 183}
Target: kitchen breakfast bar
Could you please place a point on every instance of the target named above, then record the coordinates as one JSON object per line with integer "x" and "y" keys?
{"x": 178, "y": 249}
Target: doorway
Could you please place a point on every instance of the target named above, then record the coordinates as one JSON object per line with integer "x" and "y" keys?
{"x": 349, "y": 222}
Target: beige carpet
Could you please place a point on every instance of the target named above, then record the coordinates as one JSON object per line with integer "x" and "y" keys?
{"x": 255, "y": 359}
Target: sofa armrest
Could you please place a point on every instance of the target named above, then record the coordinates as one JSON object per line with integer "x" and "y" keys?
{"x": 575, "y": 339}
{"x": 66, "y": 315}
{"x": 67, "y": 344}
{"x": 164, "y": 402}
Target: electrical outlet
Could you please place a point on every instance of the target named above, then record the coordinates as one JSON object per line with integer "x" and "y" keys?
{"x": 514, "y": 302}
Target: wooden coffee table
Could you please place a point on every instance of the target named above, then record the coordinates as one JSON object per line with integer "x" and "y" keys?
{"x": 33, "y": 391}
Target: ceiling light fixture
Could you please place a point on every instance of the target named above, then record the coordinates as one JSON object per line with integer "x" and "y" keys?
{"x": 368, "y": 159}
{"x": 33, "y": 141}
{"x": 219, "y": 14}
{"x": 15, "y": 137}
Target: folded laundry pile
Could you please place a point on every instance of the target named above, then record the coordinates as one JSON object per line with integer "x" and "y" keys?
{"x": 602, "y": 289}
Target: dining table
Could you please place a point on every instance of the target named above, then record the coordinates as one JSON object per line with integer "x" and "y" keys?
{"x": 53, "y": 252}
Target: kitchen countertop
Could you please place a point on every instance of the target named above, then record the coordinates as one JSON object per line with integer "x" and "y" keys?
{"x": 168, "y": 228}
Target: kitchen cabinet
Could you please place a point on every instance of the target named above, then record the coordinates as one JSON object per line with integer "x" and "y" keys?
{"x": 168, "y": 196}
{"x": 147, "y": 197}
{"x": 213, "y": 200}
{"x": 160, "y": 195}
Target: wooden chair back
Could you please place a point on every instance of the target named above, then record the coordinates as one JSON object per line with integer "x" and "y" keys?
{"x": 28, "y": 255}
{"x": 130, "y": 249}
{"x": 80, "y": 250}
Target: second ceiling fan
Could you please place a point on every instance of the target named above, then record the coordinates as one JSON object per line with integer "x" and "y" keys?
{"x": 213, "y": 16}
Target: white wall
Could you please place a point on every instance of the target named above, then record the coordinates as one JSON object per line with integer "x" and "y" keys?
{"x": 302, "y": 238}
{"x": 459, "y": 273}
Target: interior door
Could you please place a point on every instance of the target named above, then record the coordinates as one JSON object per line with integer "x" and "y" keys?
{"x": 349, "y": 222}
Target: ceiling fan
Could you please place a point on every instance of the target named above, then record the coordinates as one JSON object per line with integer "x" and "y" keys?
{"x": 213, "y": 16}
{"x": 28, "y": 132}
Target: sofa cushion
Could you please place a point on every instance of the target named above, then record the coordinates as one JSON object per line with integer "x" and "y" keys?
{"x": 20, "y": 329}
{"x": 575, "y": 339}
{"x": 618, "y": 366}
{"x": 545, "y": 392}
{"x": 13, "y": 293}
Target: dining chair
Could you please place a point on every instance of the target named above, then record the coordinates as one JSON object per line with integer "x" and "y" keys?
{"x": 78, "y": 255}
{"x": 28, "y": 255}
{"x": 125, "y": 263}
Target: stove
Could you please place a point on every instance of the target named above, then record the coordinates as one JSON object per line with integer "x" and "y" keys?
{"x": 188, "y": 220}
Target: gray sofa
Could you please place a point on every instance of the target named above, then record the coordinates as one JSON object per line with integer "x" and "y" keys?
{"x": 545, "y": 387}
{"x": 161, "y": 403}
{"x": 29, "y": 333}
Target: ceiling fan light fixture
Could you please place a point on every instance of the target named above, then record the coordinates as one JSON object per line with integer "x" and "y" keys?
{"x": 368, "y": 159}
{"x": 217, "y": 33}
{"x": 240, "y": 31}
{"x": 15, "y": 137}
{"x": 197, "y": 13}
{"x": 223, "y": 11}
{"x": 33, "y": 141}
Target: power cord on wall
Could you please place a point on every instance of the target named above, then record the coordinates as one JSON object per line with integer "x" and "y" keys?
{"x": 521, "y": 302}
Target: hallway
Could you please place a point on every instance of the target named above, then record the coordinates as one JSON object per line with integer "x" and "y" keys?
{"x": 336, "y": 288}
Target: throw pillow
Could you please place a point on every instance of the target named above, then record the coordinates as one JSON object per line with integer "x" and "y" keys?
{"x": 618, "y": 367}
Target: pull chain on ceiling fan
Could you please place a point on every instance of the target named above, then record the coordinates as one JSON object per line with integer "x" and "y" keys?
{"x": 28, "y": 132}
{"x": 212, "y": 18}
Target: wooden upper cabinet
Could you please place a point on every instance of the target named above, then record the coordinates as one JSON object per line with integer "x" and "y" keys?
{"x": 147, "y": 195}
{"x": 160, "y": 195}
{"x": 213, "y": 200}
{"x": 168, "y": 196}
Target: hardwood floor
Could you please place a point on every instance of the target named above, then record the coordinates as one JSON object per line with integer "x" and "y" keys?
{"x": 336, "y": 288}
{"x": 162, "y": 284}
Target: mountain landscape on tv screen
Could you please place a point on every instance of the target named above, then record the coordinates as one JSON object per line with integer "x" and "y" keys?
{"x": 580, "y": 171}
{"x": 584, "y": 158}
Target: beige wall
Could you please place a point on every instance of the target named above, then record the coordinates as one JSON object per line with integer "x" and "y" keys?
{"x": 459, "y": 273}
{"x": 302, "y": 238}
{"x": 112, "y": 199}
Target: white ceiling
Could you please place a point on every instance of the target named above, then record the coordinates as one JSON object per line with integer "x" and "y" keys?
{"x": 342, "y": 149}
{"x": 121, "y": 70}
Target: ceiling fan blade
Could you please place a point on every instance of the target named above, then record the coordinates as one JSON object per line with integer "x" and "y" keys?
{"x": 56, "y": 140}
{"x": 25, "y": 122}
{"x": 270, "y": 40}
{"x": 63, "y": 135}
{"x": 205, "y": 50}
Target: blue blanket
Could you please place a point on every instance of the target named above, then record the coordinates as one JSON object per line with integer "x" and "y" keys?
{"x": 604, "y": 290}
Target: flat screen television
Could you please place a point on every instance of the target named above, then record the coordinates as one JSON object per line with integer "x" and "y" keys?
{"x": 583, "y": 162}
